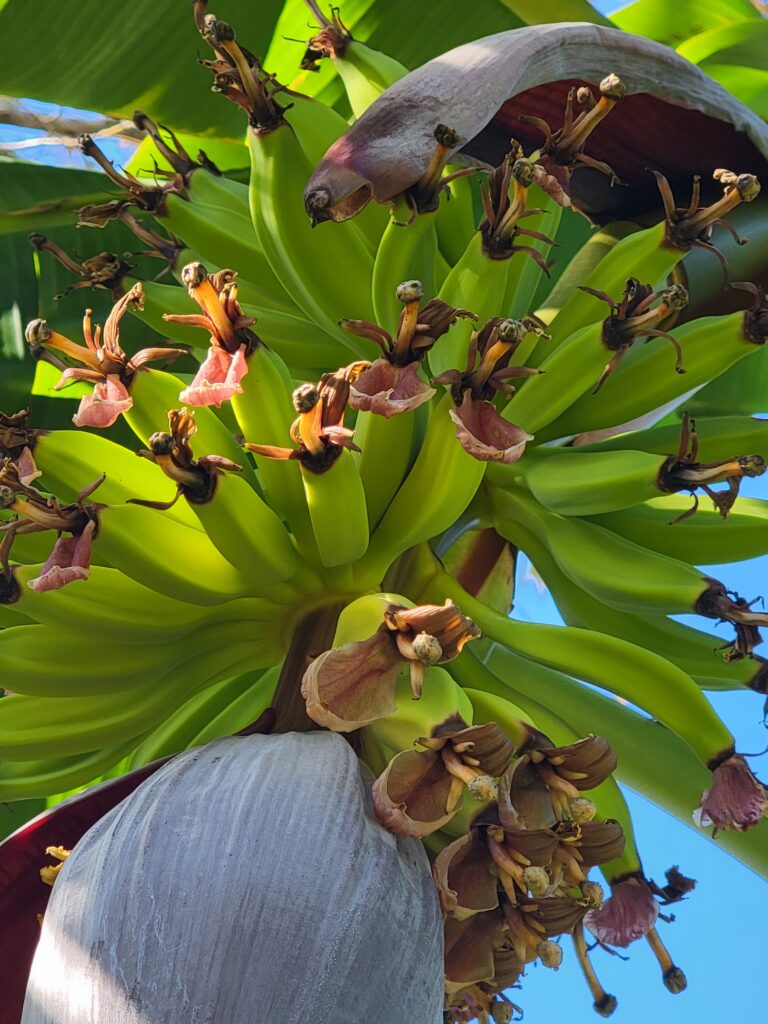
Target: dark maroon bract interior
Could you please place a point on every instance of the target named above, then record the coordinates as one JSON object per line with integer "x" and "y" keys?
{"x": 640, "y": 133}
{"x": 22, "y": 893}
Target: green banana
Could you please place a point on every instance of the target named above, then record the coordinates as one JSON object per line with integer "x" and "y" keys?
{"x": 226, "y": 237}
{"x": 692, "y": 650}
{"x": 610, "y": 568}
{"x": 360, "y": 619}
{"x": 20, "y": 780}
{"x": 445, "y": 473}
{"x": 33, "y": 728}
{"x": 407, "y": 251}
{"x": 479, "y": 283}
{"x": 338, "y": 511}
{"x": 720, "y": 437}
{"x": 456, "y": 219}
{"x": 526, "y": 273}
{"x": 246, "y": 531}
{"x": 70, "y": 460}
{"x": 166, "y": 556}
{"x": 264, "y": 411}
{"x": 366, "y": 73}
{"x": 327, "y": 275}
{"x": 641, "y": 255}
{"x": 181, "y": 729}
{"x": 639, "y": 676}
{"x": 80, "y": 672}
{"x": 646, "y": 381}
{"x": 146, "y": 617}
{"x": 589, "y": 357}
{"x": 703, "y": 539}
{"x": 384, "y": 459}
{"x": 573, "y": 483}
{"x": 415, "y": 719}
{"x": 581, "y": 264}
{"x": 576, "y": 483}
{"x": 652, "y": 760}
{"x": 243, "y": 710}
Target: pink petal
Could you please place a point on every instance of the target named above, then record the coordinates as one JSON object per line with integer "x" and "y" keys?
{"x": 25, "y": 464}
{"x": 628, "y": 914}
{"x": 387, "y": 390}
{"x": 218, "y": 378}
{"x": 70, "y": 560}
{"x": 553, "y": 180}
{"x": 110, "y": 399}
{"x": 485, "y": 435}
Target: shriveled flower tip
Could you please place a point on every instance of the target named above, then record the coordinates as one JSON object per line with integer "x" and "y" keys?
{"x": 110, "y": 399}
{"x": 353, "y": 685}
{"x": 483, "y": 87}
{"x": 585, "y": 763}
{"x": 218, "y": 378}
{"x": 736, "y": 799}
{"x": 411, "y": 796}
{"x": 387, "y": 389}
{"x": 485, "y": 435}
{"x": 627, "y": 915}
{"x": 70, "y": 560}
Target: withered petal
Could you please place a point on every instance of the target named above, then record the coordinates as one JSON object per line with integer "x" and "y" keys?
{"x": 464, "y": 876}
{"x": 411, "y": 794}
{"x": 486, "y": 435}
{"x": 386, "y": 389}
{"x": 469, "y": 949}
{"x": 524, "y": 801}
{"x": 354, "y": 685}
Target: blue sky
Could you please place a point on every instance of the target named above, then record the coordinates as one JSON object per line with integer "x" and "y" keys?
{"x": 718, "y": 934}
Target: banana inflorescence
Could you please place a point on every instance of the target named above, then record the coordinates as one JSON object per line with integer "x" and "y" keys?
{"x": 367, "y": 392}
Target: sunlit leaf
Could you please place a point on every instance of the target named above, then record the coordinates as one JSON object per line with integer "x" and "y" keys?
{"x": 99, "y": 56}
{"x": 673, "y": 23}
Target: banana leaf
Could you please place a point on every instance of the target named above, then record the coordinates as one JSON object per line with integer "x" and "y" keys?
{"x": 674, "y": 23}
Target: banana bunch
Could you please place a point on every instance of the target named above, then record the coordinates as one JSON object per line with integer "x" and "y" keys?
{"x": 372, "y": 386}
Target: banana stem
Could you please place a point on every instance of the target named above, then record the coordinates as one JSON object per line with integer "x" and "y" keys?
{"x": 313, "y": 635}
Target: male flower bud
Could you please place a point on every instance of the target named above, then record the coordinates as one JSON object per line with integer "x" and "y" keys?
{"x": 592, "y": 894}
{"x": 550, "y": 954}
{"x": 537, "y": 880}
{"x": 582, "y": 809}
